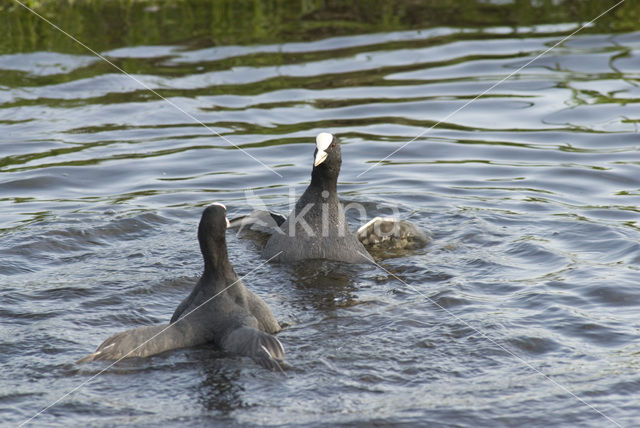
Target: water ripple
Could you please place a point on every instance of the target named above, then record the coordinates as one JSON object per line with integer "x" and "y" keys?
{"x": 531, "y": 193}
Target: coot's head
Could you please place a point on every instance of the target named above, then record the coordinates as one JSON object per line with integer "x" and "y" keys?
{"x": 213, "y": 223}
{"x": 327, "y": 157}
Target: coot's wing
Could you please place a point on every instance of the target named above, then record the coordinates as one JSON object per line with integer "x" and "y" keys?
{"x": 137, "y": 342}
{"x": 261, "y": 221}
{"x": 262, "y": 347}
{"x": 148, "y": 340}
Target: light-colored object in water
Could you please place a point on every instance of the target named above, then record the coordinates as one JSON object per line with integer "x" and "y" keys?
{"x": 390, "y": 231}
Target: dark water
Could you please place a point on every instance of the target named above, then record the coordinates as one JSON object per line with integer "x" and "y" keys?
{"x": 524, "y": 310}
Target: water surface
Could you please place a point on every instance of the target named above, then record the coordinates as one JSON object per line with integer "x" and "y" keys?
{"x": 522, "y": 311}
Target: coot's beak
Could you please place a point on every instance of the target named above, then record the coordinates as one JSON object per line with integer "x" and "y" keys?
{"x": 321, "y": 155}
{"x": 228, "y": 224}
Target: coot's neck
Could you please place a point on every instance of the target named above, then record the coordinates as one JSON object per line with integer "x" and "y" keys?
{"x": 324, "y": 178}
{"x": 216, "y": 261}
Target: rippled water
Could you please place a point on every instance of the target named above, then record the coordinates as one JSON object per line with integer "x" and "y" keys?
{"x": 522, "y": 311}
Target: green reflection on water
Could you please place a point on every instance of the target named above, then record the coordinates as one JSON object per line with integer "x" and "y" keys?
{"x": 104, "y": 25}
